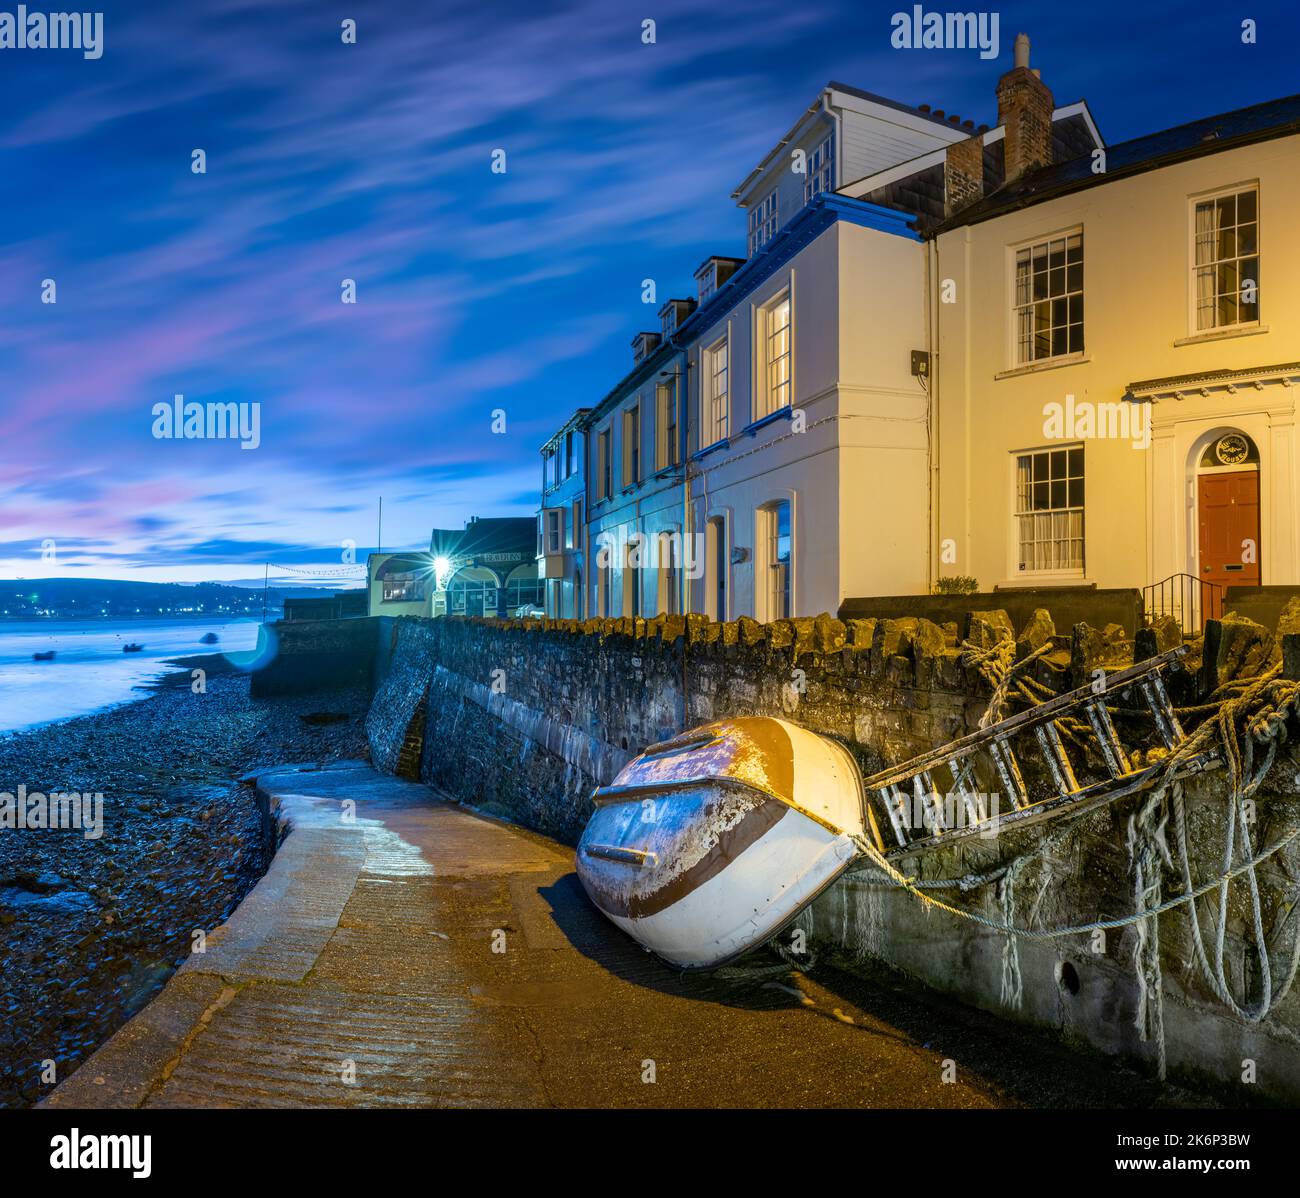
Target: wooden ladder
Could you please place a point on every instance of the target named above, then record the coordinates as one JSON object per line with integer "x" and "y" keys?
{"x": 919, "y": 816}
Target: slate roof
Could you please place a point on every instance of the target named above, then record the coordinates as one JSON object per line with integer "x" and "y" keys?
{"x": 1210, "y": 135}
{"x": 489, "y": 534}
{"x": 967, "y": 127}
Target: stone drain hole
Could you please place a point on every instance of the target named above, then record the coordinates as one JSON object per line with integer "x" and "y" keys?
{"x": 1068, "y": 977}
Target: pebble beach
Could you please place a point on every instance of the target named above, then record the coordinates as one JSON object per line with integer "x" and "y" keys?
{"x": 92, "y": 926}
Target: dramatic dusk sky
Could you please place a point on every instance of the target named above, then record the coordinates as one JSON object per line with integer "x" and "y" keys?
{"x": 476, "y": 291}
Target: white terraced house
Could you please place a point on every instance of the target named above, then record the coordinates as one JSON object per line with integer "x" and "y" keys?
{"x": 1006, "y": 352}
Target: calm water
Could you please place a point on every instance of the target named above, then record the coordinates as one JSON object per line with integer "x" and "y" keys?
{"x": 90, "y": 672}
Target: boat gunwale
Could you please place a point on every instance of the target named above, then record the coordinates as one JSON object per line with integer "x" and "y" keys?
{"x": 605, "y": 796}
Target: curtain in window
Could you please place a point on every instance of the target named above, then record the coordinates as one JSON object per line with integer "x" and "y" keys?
{"x": 1207, "y": 235}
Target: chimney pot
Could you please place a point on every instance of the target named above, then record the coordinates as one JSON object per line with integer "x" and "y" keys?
{"x": 1025, "y": 108}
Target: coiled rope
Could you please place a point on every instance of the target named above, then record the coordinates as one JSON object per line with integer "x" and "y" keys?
{"x": 1245, "y": 713}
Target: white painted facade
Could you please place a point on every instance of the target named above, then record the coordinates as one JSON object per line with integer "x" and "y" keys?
{"x": 786, "y": 501}
{"x": 863, "y": 438}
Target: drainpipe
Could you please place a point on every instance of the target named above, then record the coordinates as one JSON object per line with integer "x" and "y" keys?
{"x": 684, "y": 451}
{"x": 932, "y": 405}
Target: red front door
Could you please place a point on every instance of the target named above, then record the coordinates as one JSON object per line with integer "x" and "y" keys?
{"x": 1228, "y": 511}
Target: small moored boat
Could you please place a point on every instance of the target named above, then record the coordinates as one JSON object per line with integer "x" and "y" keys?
{"x": 132, "y": 647}
{"x": 48, "y": 655}
{"x": 707, "y": 845}
{"x": 208, "y": 638}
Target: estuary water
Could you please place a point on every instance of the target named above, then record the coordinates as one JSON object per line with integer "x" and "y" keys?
{"x": 89, "y": 671}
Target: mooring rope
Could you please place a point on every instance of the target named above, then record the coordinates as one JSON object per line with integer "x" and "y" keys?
{"x": 1240, "y": 715}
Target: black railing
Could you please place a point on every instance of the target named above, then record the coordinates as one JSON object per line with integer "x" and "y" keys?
{"x": 1190, "y": 600}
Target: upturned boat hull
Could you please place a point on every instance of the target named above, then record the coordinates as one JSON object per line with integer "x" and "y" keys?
{"x": 706, "y": 846}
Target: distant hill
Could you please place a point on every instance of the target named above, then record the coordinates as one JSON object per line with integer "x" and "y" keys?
{"x": 100, "y": 597}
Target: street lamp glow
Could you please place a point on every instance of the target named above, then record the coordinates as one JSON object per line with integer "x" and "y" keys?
{"x": 441, "y": 567}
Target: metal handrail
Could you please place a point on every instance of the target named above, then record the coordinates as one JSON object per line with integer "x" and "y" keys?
{"x": 1190, "y": 600}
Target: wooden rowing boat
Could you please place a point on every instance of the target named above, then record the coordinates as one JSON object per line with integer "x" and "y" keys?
{"x": 705, "y": 846}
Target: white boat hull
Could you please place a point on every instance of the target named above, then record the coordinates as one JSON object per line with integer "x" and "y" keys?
{"x": 701, "y": 868}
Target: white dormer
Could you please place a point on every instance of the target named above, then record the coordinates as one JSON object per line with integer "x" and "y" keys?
{"x": 712, "y": 273}
{"x": 643, "y": 345}
{"x": 673, "y": 313}
{"x": 844, "y": 134}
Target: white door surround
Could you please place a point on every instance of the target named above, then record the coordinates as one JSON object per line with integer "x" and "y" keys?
{"x": 1186, "y": 416}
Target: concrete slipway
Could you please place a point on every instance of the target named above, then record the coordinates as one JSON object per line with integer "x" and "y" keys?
{"x": 404, "y": 952}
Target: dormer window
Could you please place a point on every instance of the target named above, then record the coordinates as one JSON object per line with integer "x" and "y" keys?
{"x": 714, "y": 272}
{"x": 673, "y": 313}
{"x": 643, "y": 345}
{"x": 762, "y": 222}
{"x": 821, "y": 169}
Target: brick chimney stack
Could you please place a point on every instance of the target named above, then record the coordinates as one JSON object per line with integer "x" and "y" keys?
{"x": 1025, "y": 110}
{"x": 963, "y": 174}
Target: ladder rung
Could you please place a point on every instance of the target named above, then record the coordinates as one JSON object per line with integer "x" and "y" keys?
{"x": 1009, "y": 771}
{"x": 929, "y": 802}
{"x": 961, "y": 769}
{"x": 1049, "y": 740}
{"x": 1162, "y": 711}
{"x": 1112, "y": 752}
{"x": 895, "y": 805}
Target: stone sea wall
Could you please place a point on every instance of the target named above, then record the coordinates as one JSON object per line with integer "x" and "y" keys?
{"x": 300, "y": 656}
{"x": 524, "y": 719}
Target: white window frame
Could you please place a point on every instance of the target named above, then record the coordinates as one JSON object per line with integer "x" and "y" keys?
{"x": 707, "y": 283}
{"x": 1016, "y": 306}
{"x": 553, "y": 530}
{"x": 1193, "y": 307}
{"x": 667, "y": 543}
{"x": 766, "y": 537}
{"x": 1015, "y": 550}
{"x": 820, "y": 168}
{"x": 765, "y": 394}
{"x": 715, "y": 400}
{"x": 632, "y": 442}
{"x": 717, "y": 550}
{"x": 604, "y": 470}
{"x": 762, "y": 221}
